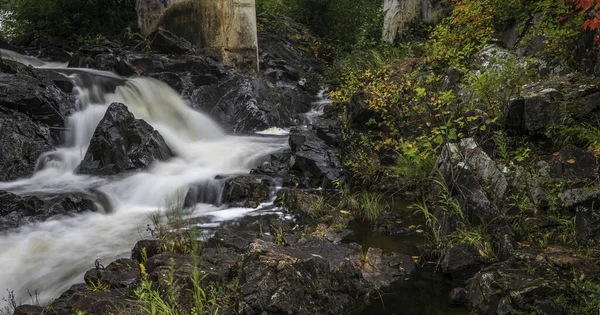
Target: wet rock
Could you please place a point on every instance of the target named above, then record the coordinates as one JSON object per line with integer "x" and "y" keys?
{"x": 503, "y": 241}
{"x": 20, "y": 210}
{"x": 392, "y": 223}
{"x": 382, "y": 270}
{"x": 458, "y": 296}
{"x": 151, "y": 248}
{"x": 122, "y": 143}
{"x": 318, "y": 163}
{"x": 313, "y": 278}
{"x": 80, "y": 299}
{"x": 300, "y": 202}
{"x": 34, "y": 93}
{"x": 536, "y": 193}
{"x": 467, "y": 169}
{"x": 120, "y": 273}
{"x": 586, "y": 197}
{"x": 24, "y": 141}
{"x": 574, "y": 163}
{"x": 28, "y": 310}
{"x": 209, "y": 191}
{"x": 461, "y": 261}
{"x": 165, "y": 42}
{"x": 247, "y": 190}
{"x": 277, "y": 165}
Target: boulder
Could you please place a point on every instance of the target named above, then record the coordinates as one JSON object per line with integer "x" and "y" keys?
{"x": 276, "y": 165}
{"x": 120, "y": 273}
{"x": 42, "y": 95}
{"x": 300, "y": 201}
{"x": 20, "y": 210}
{"x": 164, "y": 42}
{"x": 458, "y": 296}
{"x": 122, "y": 143}
{"x": 523, "y": 284}
{"x": 24, "y": 141}
{"x": 573, "y": 163}
{"x": 209, "y": 192}
{"x": 467, "y": 169}
{"x": 247, "y": 190}
{"x": 28, "y": 310}
{"x": 382, "y": 270}
{"x": 318, "y": 163}
{"x": 461, "y": 261}
{"x": 151, "y": 247}
{"x": 587, "y": 225}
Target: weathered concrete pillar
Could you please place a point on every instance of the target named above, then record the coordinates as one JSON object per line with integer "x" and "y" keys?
{"x": 398, "y": 13}
{"x": 225, "y": 29}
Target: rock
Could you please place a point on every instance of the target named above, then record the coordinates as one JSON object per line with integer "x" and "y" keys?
{"x": 503, "y": 241}
{"x": 392, "y": 223}
{"x": 300, "y": 201}
{"x": 572, "y": 261}
{"x": 458, "y": 296}
{"x": 519, "y": 285}
{"x": 42, "y": 95}
{"x": 209, "y": 192}
{"x": 277, "y": 165}
{"x": 121, "y": 273}
{"x": 586, "y": 197}
{"x": 165, "y": 42}
{"x": 461, "y": 261}
{"x": 24, "y": 141}
{"x": 382, "y": 270}
{"x": 466, "y": 169}
{"x": 313, "y": 278}
{"x": 248, "y": 190}
{"x": 122, "y": 143}
{"x": 151, "y": 247}
{"x": 28, "y": 310}
{"x": 536, "y": 193}
{"x": 318, "y": 163}
{"x": 20, "y": 210}
{"x": 358, "y": 113}
{"x": 587, "y": 225}
{"x": 574, "y": 163}
{"x": 80, "y": 299}
{"x": 533, "y": 113}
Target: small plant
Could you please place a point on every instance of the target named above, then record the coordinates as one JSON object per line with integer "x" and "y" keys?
{"x": 317, "y": 209}
{"x": 430, "y": 220}
{"x": 371, "y": 205}
{"x": 278, "y": 232}
{"x": 171, "y": 227}
{"x": 99, "y": 286}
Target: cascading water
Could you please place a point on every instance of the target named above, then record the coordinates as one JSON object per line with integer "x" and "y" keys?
{"x": 48, "y": 257}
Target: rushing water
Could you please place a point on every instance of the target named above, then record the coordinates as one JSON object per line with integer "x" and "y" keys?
{"x": 50, "y": 256}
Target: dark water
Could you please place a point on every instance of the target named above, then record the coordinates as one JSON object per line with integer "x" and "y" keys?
{"x": 426, "y": 292}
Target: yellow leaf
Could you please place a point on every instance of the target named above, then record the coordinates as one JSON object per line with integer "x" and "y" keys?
{"x": 412, "y": 227}
{"x": 344, "y": 212}
{"x": 415, "y": 257}
{"x": 571, "y": 161}
{"x": 482, "y": 253}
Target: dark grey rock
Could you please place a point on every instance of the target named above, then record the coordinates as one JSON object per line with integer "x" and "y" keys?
{"x": 458, "y": 296}
{"x": 574, "y": 163}
{"x": 20, "y": 210}
{"x": 461, "y": 261}
{"x": 165, "y": 42}
{"x": 318, "y": 163}
{"x": 122, "y": 143}
{"x": 24, "y": 141}
{"x": 247, "y": 190}
{"x": 120, "y": 273}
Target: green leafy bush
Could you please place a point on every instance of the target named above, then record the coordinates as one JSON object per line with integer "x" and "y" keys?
{"x": 80, "y": 19}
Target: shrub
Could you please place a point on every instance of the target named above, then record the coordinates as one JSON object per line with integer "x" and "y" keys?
{"x": 80, "y": 19}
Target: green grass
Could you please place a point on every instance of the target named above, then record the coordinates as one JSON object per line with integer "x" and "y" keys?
{"x": 414, "y": 173}
{"x": 371, "y": 205}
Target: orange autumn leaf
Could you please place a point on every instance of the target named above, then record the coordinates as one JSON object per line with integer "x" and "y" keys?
{"x": 571, "y": 161}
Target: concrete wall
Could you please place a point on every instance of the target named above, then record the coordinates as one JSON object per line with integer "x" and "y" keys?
{"x": 225, "y": 29}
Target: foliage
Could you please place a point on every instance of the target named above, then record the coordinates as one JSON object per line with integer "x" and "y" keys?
{"x": 68, "y": 18}
{"x": 589, "y": 6}
{"x": 371, "y": 205}
{"x": 170, "y": 227}
{"x": 99, "y": 286}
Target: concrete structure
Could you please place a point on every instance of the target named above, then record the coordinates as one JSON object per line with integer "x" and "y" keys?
{"x": 399, "y": 13}
{"x": 225, "y": 29}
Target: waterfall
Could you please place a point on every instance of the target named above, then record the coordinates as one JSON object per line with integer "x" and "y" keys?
{"x": 50, "y": 256}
